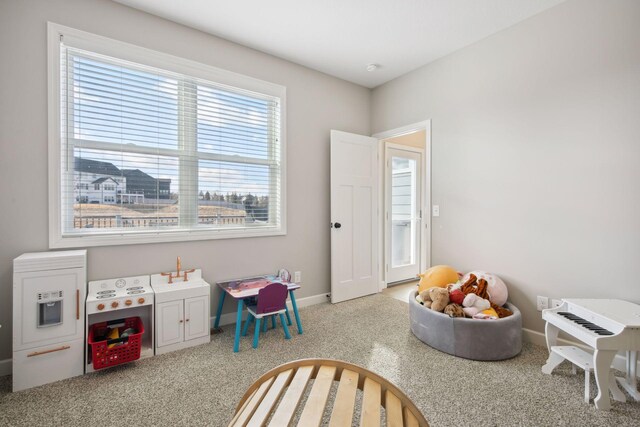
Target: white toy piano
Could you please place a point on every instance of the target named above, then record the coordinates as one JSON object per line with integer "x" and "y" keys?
{"x": 607, "y": 326}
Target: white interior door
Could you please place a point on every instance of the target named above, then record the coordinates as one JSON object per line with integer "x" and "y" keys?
{"x": 403, "y": 213}
{"x": 354, "y": 216}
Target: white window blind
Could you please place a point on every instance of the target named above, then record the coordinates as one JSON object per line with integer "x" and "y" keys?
{"x": 150, "y": 151}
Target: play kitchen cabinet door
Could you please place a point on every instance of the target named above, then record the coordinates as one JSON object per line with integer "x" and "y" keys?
{"x": 170, "y": 323}
{"x": 182, "y": 323}
{"x": 196, "y": 313}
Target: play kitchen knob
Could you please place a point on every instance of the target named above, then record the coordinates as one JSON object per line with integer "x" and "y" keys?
{"x": 100, "y": 306}
{"x": 128, "y": 302}
{"x": 140, "y": 300}
{"x": 114, "y": 304}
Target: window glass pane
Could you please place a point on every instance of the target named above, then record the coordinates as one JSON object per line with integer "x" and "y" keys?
{"x": 114, "y": 190}
{"x": 232, "y": 124}
{"x": 403, "y": 209}
{"x": 147, "y": 149}
{"x": 115, "y": 104}
{"x": 232, "y": 194}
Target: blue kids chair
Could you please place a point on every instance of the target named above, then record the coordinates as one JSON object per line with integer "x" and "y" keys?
{"x": 272, "y": 300}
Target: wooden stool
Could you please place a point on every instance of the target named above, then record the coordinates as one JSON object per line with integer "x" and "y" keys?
{"x": 261, "y": 403}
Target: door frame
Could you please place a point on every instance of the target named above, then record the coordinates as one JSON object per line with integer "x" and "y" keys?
{"x": 387, "y": 201}
{"x": 425, "y": 241}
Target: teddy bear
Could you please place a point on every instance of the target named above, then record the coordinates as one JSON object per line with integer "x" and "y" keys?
{"x": 435, "y": 298}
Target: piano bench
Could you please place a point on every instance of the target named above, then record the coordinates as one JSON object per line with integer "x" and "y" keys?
{"x": 583, "y": 360}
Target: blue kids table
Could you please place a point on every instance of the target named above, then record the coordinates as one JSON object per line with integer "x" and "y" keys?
{"x": 241, "y": 289}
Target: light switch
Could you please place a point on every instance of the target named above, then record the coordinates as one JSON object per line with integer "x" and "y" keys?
{"x": 436, "y": 210}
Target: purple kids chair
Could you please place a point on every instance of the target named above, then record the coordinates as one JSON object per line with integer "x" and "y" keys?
{"x": 272, "y": 300}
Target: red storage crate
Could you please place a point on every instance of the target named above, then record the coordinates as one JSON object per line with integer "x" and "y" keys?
{"x": 126, "y": 349}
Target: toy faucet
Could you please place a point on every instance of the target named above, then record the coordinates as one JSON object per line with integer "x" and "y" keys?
{"x": 185, "y": 278}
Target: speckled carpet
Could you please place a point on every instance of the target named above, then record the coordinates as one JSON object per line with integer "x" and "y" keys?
{"x": 202, "y": 385}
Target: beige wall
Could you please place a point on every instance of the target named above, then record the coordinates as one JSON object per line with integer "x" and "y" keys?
{"x": 316, "y": 102}
{"x": 535, "y": 152}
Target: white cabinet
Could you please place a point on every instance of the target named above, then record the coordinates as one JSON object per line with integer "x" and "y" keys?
{"x": 182, "y": 312}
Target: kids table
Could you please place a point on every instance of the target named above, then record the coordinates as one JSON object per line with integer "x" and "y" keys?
{"x": 240, "y": 289}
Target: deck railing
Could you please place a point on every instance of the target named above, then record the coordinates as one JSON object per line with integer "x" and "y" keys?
{"x": 117, "y": 221}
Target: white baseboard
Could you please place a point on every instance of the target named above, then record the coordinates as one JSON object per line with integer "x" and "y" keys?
{"x": 230, "y": 318}
{"x": 538, "y": 338}
{"x": 5, "y": 367}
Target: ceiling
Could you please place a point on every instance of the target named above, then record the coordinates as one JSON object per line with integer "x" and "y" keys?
{"x": 342, "y": 37}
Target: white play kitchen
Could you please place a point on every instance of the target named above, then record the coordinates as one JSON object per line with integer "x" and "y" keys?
{"x": 59, "y": 333}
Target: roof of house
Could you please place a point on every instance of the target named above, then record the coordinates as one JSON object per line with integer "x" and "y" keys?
{"x": 101, "y": 180}
{"x": 135, "y": 173}
{"x": 95, "y": 166}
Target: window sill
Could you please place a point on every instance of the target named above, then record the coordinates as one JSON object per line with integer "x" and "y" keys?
{"x": 123, "y": 238}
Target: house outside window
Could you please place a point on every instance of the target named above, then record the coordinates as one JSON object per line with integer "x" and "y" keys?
{"x": 149, "y": 133}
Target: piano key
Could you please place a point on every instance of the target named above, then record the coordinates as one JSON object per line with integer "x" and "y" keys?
{"x": 585, "y": 323}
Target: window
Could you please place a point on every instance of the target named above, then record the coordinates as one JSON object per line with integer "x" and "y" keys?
{"x": 148, "y": 147}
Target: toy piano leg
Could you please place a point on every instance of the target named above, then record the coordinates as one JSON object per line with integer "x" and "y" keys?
{"x": 264, "y": 325}
{"x": 236, "y": 342}
{"x": 273, "y": 321}
{"x": 630, "y": 383}
{"x": 617, "y": 394}
{"x": 551, "y": 335}
{"x": 552, "y": 362}
{"x": 603, "y": 359}
{"x": 216, "y": 323}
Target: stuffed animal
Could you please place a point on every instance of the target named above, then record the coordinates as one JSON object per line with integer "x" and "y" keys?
{"x": 439, "y": 276}
{"x": 435, "y": 298}
{"x": 456, "y": 296}
{"x": 486, "y": 314}
{"x": 479, "y": 287}
{"x": 473, "y": 305}
{"x": 454, "y": 310}
{"x": 496, "y": 289}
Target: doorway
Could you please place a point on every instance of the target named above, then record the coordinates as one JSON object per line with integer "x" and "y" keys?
{"x": 405, "y": 220}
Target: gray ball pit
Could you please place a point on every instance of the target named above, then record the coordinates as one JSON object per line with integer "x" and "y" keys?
{"x": 469, "y": 338}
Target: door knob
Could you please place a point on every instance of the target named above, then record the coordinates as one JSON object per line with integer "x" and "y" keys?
{"x": 337, "y": 225}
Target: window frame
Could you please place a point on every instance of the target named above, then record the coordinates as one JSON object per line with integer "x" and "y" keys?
{"x": 136, "y": 54}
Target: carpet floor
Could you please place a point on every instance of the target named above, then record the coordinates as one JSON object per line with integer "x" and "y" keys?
{"x": 202, "y": 385}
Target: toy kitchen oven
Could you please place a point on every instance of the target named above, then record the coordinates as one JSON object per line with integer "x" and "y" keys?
{"x": 113, "y": 308}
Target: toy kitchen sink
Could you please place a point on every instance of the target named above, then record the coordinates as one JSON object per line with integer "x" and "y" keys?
{"x": 182, "y": 309}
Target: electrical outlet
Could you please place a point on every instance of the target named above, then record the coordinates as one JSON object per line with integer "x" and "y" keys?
{"x": 297, "y": 276}
{"x": 436, "y": 210}
{"x": 556, "y": 303}
{"x": 542, "y": 303}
